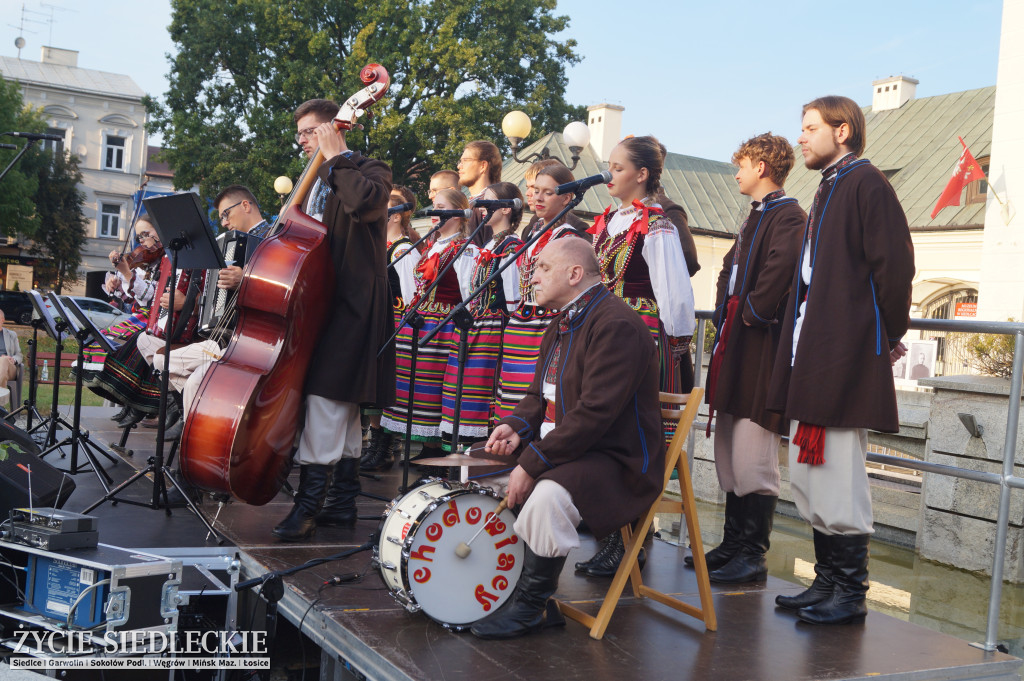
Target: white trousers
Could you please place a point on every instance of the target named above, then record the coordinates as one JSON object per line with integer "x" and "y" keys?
{"x": 835, "y": 497}
{"x": 548, "y": 520}
{"x": 746, "y": 456}
{"x": 332, "y": 432}
{"x": 185, "y": 361}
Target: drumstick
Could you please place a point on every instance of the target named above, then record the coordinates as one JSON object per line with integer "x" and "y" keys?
{"x": 463, "y": 550}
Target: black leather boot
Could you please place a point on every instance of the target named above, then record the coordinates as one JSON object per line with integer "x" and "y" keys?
{"x": 821, "y": 587}
{"x": 613, "y": 555}
{"x": 174, "y": 431}
{"x": 723, "y": 553}
{"x": 523, "y": 613}
{"x": 121, "y": 414}
{"x": 748, "y": 564}
{"x": 314, "y": 479}
{"x": 132, "y": 417}
{"x": 603, "y": 547}
{"x": 378, "y": 456}
{"x": 847, "y": 602}
{"x": 340, "y": 505}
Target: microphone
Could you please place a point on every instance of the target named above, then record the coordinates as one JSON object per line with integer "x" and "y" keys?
{"x": 37, "y": 136}
{"x": 604, "y": 177}
{"x": 8, "y": 146}
{"x": 400, "y": 208}
{"x": 497, "y": 203}
{"x": 448, "y": 213}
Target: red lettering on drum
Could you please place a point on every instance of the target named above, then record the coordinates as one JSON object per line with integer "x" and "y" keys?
{"x": 500, "y": 583}
{"x": 422, "y": 575}
{"x": 405, "y": 531}
{"x": 507, "y": 541}
{"x": 494, "y": 525}
{"x": 434, "y": 531}
{"x": 421, "y": 553}
{"x": 506, "y": 561}
{"x": 484, "y": 597}
{"x": 473, "y": 515}
{"x": 451, "y": 515}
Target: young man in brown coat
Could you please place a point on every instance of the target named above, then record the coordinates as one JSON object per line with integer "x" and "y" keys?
{"x": 752, "y": 290}
{"x": 848, "y": 309}
{"x": 351, "y": 198}
{"x": 588, "y": 433}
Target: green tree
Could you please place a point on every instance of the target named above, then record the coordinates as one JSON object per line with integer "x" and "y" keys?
{"x": 60, "y": 233}
{"x": 17, "y": 211}
{"x": 457, "y": 66}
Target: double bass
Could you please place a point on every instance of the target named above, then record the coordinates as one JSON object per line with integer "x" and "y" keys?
{"x": 240, "y": 430}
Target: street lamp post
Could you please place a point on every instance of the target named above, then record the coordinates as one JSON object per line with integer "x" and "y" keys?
{"x": 283, "y": 187}
{"x": 516, "y": 125}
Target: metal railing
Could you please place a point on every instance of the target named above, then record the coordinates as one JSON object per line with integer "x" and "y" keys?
{"x": 1006, "y": 480}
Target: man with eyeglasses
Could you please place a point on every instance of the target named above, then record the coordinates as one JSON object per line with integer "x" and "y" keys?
{"x": 442, "y": 179}
{"x": 350, "y": 197}
{"x": 238, "y": 210}
{"x": 479, "y": 168}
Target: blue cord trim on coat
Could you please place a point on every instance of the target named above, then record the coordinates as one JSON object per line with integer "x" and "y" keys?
{"x": 527, "y": 428}
{"x": 754, "y": 312}
{"x": 878, "y": 316}
{"x": 534, "y": 448}
{"x": 643, "y": 440}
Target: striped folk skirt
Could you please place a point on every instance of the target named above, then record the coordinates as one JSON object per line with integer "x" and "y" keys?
{"x": 478, "y": 382}
{"x": 128, "y": 379}
{"x": 431, "y": 364}
{"x": 95, "y": 356}
{"x": 520, "y": 349}
{"x": 671, "y": 379}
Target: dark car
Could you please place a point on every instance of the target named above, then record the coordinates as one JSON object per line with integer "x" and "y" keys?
{"x": 16, "y": 307}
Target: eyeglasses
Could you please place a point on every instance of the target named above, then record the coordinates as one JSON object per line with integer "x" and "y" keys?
{"x": 144, "y": 235}
{"x": 306, "y": 132}
{"x": 463, "y": 161}
{"x": 227, "y": 211}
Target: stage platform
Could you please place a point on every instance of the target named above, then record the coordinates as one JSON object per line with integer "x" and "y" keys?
{"x": 359, "y": 621}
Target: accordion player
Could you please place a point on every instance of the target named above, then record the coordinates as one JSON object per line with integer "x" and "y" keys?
{"x": 217, "y": 305}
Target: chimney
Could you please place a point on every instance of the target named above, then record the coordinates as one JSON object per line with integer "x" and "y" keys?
{"x": 605, "y": 123}
{"x": 55, "y": 55}
{"x": 892, "y": 92}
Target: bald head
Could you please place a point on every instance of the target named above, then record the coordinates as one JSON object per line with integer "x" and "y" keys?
{"x": 566, "y": 268}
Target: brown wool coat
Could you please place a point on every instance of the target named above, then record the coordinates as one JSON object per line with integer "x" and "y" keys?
{"x": 858, "y": 308}
{"x": 764, "y": 274}
{"x": 345, "y": 365}
{"x": 607, "y": 448}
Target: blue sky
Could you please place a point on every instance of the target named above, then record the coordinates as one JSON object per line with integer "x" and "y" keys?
{"x": 701, "y": 76}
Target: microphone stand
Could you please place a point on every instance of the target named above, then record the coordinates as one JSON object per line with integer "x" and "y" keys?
{"x": 416, "y": 321}
{"x": 17, "y": 157}
{"x": 576, "y": 199}
{"x": 415, "y": 245}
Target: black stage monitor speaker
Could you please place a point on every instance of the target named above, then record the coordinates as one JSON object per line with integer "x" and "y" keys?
{"x": 21, "y": 456}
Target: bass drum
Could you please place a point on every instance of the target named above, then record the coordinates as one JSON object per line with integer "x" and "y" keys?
{"x": 415, "y": 553}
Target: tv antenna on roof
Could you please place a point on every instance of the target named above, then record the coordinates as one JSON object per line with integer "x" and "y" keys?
{"x": 51, "y": 19}
{"x": 19, "y": 42}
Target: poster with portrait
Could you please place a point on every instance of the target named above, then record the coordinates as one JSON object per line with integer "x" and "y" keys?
{"x": 921, "y": 359}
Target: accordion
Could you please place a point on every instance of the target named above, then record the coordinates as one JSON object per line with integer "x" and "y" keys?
{"x": 237, "y": 248}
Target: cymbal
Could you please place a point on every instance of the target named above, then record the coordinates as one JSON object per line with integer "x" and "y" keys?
{"x": 460, "y": 460}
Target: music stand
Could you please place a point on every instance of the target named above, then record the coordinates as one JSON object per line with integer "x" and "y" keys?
{"x": 77, "y": 437}
{"x": 56, "y": 328}
{"x": 181, "y": 222}
{"x": 38, "y": 322}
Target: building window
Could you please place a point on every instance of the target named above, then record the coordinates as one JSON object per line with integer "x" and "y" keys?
{"x": 953, "y": 354}
{"x": 49, "y": 145}
{"x": 110, "y": 221}
{"x": 113, "y": 153}
{"x": 977, "y": 190}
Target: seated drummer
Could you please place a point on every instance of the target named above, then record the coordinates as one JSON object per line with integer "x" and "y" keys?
{"x": 238, "y": 210}
{"x": 588, "y": 433}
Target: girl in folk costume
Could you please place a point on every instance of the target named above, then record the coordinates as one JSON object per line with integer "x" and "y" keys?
{"x": 490, "y": 312}
{"x": 402, "y": 262}
{"x": 642, "y": 262}
{"x": 128, "y": 374}
{"x": 520, "y": 342}
{"x": 131, "y": 287}
{"x": 432, "y": 359}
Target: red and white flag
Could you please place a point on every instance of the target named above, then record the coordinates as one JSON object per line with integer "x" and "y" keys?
{"x": 966, "y": 171}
